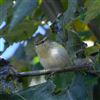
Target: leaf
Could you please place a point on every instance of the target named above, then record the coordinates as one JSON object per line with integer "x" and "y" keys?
{"x": 24, "y": 8}
{"x": 64, "y": 4}
{"x": 90, "y": 81}
{"x": 38, "y": 14}
{"x": 29, "y": 50}
{"x": 79, "y": 26}
{"x": 5, "y": 97}
{"x": 22, "y": 31}
{"x": 45, "y": 91}
{"x": 97, "y": 62}
{"x": 40, "y": 2}
{"x": 93, "y": 9}
{"x": 40, "y": 92}
{"x": 87, "y": 35}
{"x": 74, "y": 44}
{"x": 3, "y": 9}
{"x": 36, "y": 60}
{"x": 22, "y": 65}
{"x": 77, "y": 90}
{"x": 2, "y": 2}
{"x": 94, "y": 26}
{"x": 96, "y": 90}
{"x": 52, "y": 8}
{"x": 69, "y": 13}
{"x": 62, "y": 80}
{"x": 92, "y": 50}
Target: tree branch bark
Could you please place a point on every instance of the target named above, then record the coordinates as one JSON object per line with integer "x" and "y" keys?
{"x": 83, "y": 68}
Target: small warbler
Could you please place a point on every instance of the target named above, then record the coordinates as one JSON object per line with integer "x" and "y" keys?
{"x": 51, "y": 54}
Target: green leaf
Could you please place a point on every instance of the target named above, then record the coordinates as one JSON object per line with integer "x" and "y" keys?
{"x": 90, "y": 81}
{"x": 69, "y": 13}
{"x": 36, "y": 60}
{"x": 52, "y": 9}
{"x": 97, "y": 62}
{"x": 92, "y": 50}
{"x": 3, "y": 9}
{"x": 40, "y": 92}
{"x": 94, "y": 26}
{"x": 64, "y": 4}
{"x": 24, "y": 8}
{"x": 62, "y": 80}
{"x": 38, "y": 14}
{"x": 45, "y": 91}
{"x": 77, "y": 90}
{"x": 96, "y": 90}
{"x": 2, "y": 2}
{"x": 93, "y": 9}
{"x": 22, "y": 31}
{"x": 5, "y": 97}
{"x": 74, "y": 44}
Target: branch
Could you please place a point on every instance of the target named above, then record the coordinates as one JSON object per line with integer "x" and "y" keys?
{"x": 83, "y": 68}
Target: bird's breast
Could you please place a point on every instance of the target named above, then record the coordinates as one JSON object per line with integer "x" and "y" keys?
{"x": 56, "y": 58}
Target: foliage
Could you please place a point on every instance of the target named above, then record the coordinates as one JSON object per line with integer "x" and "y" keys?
{"x": 92, "y": 9}
{"x": 73, "y": 21}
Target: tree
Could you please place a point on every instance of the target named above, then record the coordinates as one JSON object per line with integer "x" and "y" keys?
{"x": 70, "y": 23}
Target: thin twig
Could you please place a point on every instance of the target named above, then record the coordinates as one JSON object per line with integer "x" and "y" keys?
{"x": 83, "y": 68}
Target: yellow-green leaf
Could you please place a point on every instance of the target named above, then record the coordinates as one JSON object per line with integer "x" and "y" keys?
{"x": 93, "y": 9}
{"x": 36, "y": 60}
{"x": 2, "y": 2}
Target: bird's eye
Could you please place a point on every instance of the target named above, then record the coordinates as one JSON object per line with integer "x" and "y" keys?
{"x": 42, "y": 41}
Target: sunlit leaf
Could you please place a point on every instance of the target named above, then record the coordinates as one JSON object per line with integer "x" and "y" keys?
{"x": 79, "y": 26}
{"x": 40, "y": 2}
{"x": 36, "y": 60}
{"x": 2, "y": 1}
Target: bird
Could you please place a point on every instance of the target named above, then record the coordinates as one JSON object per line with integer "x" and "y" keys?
{"x": 51, "y": 54}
